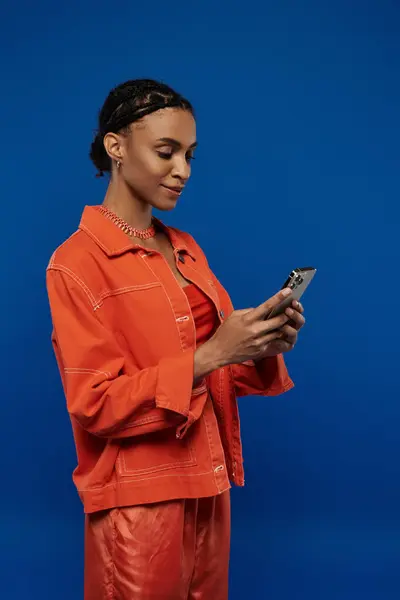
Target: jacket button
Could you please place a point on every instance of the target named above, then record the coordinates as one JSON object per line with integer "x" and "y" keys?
{"x": 222, "y": 314}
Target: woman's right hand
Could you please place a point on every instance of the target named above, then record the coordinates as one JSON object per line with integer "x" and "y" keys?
{"x": 246, "y": 334}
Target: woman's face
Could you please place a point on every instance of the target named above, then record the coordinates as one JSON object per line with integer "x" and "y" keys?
{"x": 156, "y": 156}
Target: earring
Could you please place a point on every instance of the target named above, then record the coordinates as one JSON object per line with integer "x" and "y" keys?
{"x": 118, "y": 164}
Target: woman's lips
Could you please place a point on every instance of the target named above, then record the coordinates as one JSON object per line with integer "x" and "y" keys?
{"x": 175, "y": 191}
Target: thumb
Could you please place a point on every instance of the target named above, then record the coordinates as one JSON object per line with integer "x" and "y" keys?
{"x": 262, "y": 311}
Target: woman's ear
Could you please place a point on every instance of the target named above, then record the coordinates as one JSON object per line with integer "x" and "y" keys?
{"x": 114, "y": 146}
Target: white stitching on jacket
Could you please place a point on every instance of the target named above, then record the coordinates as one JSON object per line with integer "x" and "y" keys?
{"x": 79, "y": 281}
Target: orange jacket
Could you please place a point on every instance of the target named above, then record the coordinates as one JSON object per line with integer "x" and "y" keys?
{"x": 124, "y": 339}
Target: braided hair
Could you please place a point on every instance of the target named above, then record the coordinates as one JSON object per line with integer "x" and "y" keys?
{"x": 126, "y": 104}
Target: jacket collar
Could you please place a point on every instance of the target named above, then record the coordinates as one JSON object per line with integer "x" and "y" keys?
{"x": 115, "y": 242}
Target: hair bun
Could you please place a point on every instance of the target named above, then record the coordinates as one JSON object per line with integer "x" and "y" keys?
{"x": 99, "y": 156}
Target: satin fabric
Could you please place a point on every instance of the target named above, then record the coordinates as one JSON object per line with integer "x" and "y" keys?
{"x": 175, "y": 550}
{"x": 203, "y": 312}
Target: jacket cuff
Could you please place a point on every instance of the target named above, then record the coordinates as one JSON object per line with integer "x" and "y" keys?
{"x": 175, "y": 392}
{"x": 274, "y": 375}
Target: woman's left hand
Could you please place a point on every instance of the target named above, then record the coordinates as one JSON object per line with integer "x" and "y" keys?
{"x": 289, "y": 331}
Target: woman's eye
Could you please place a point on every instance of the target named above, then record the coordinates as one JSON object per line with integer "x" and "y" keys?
{"x": 165, "y": 155}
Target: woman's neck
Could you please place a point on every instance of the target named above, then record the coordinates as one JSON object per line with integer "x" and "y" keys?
{"x": 122, "y": 202}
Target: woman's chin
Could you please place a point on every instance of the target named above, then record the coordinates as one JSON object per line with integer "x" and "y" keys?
{"x": 165, "y": 204}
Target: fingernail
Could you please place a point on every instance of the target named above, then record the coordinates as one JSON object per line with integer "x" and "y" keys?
{"x": 286, "y": 292}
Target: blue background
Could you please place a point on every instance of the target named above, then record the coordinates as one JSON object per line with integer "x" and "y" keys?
{"x": 298, "y": 126}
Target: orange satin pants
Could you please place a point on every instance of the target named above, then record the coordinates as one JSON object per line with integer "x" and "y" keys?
{"x": 175, "y": 550}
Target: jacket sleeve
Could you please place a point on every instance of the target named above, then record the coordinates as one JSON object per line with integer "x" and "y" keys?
{"x": 267, "y": 377}
{"x": 101, "y": 396}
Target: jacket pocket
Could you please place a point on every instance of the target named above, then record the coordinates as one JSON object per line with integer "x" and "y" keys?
{"x": 155, "y": 452}
{"x": 128, "y": 289}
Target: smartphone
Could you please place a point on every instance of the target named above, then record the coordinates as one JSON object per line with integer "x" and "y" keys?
{"x": 298, "y": 281}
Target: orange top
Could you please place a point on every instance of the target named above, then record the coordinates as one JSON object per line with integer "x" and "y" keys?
{"x": 203, "y": 312}
{"x": 124, "y": 338}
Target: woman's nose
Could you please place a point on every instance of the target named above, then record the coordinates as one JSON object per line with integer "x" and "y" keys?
{"x": 181, "y": 168}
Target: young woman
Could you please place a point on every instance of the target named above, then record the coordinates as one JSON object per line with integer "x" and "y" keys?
{"x": 152, "y": 357}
